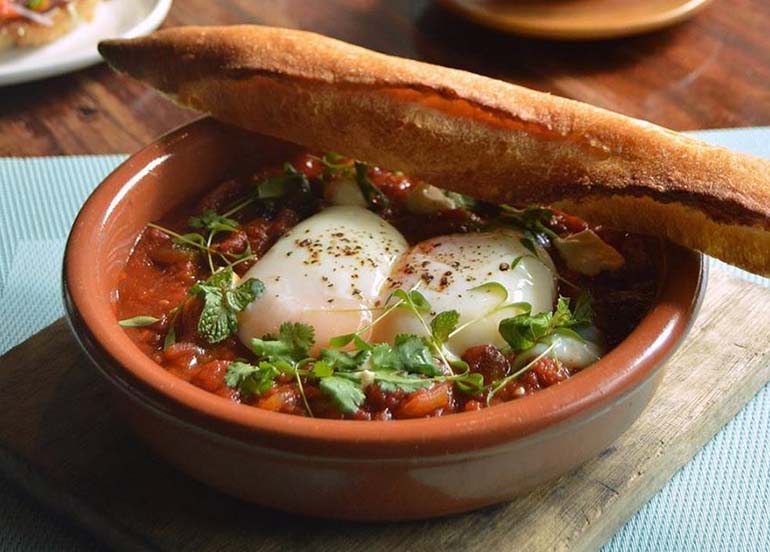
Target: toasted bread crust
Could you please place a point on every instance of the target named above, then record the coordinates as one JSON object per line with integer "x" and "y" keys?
{"x": 64, "y": 19}
{"x": 463, "y": 132}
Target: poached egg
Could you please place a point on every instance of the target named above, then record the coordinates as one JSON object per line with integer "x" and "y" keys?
{"x": 337, "y": 270}
{"x": 329, "y": 271}
{"x": 477, "y": 275}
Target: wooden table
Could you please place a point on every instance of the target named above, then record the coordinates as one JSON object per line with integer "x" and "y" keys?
{"x": 710, "y": 72}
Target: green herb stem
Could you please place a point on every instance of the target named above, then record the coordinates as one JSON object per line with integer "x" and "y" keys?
{"x": 506, "y": 380}
{"x": 302, "y": 394}
{"x": 238, "y": 206}
{"x": 179, "y": 237}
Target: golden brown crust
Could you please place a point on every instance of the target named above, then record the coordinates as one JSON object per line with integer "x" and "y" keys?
{"x": 467, "y": 133}
{"x": 64, "y": 19}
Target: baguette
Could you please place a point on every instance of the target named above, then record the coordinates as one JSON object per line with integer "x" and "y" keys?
{"x": 466, "y": 133}
{"x": 64, "y": 18}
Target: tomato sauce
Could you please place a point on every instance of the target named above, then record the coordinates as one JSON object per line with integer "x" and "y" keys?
{"x": 160, "y": 272}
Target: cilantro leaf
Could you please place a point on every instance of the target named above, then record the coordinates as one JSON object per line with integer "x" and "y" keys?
{"x": 271, "y": 349}
{"x": 412, "y": 355}
{"x": 382, "y": 357}
{"x": 443, "y": 324}
{"x": 322, "y": 369}
{"x": 341, "y": 340}
{"x": 293, "y": 343}
{"x": 222, "y": 300}
{"x": 213, "y": 222}
{"x": 525, "y": 330}
{"x": 138, "y": 321}
{"x": 391, "y": 381}
{"x": 409, "y": 353}
{"x": 345, "y": 394}
{"x": 249, "y": 379}
{"x": 341, "y": 360}
{"x": 299, "y": 336}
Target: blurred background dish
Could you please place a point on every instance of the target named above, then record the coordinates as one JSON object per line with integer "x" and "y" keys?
{"x": 576, "y": 19}
{"x": 77, "y": 49}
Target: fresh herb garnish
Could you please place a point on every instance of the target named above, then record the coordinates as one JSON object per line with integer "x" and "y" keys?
{"x": 222, "y": 301}
{"x": 138, "y": 321}
{"x": 170, "y": 338}
{"x": 273, "y": 187}
{"x": 194, "y": 240}
{"x": 406, "y": 365}
{"x": 282, "y": 184}
{"x": 533, "y": 221}
{"x": 392, "y": 381}
{"x": 516, "y": 262}
{"x": 416, "y": 302}
{"x": 525, "y": 330}
{"x": 583, "y": 311}
{"x": 412, "y": 300}
{"x": 344, "y": 361}
{"x": 213, "y": 222}
{"x": 498, "y": 385}
{"x": 442, "y": 326}
{"x": 249, "y": 379}
{"x": 345, "y": 394}
{"x": 470, "y": 382}
{"x": 288, "y": 353}
{"x": 502, "y": 292}
{"x": 408, "y": 353}
{"x": 342, "y": 376}
{"x": 372, "y": 194}
{"x": 292, "y": 344}
{"x": 402, "y": 295}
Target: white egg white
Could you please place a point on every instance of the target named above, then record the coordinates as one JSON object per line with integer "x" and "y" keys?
{"x": 329, "y": 271}
{"x": 574, "y": 353}
{"x": 450, "y": 271}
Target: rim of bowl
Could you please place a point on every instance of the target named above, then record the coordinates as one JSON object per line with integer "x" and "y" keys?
{"x": 94, "y": 323}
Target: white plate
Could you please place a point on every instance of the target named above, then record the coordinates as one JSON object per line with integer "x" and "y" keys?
{"x": 113, "y": 18}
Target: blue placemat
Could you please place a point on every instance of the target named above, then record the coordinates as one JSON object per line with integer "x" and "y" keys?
{"x": 719, "y": 501}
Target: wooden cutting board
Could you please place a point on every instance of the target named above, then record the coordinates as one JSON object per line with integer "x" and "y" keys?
{"x": 61, "y": 439}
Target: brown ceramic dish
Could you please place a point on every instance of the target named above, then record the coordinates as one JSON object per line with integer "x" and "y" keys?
{"x": 333, "y": 468}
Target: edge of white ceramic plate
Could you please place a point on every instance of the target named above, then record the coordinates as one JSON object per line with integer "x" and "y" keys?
{"x": 89, "y": 56}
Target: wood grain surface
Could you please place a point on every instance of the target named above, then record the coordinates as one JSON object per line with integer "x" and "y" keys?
{"x": 67, "y": 447}
{"x": 712, "y": 71}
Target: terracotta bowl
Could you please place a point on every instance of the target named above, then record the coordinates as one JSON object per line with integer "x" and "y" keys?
{"x": 343, "y": 469}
